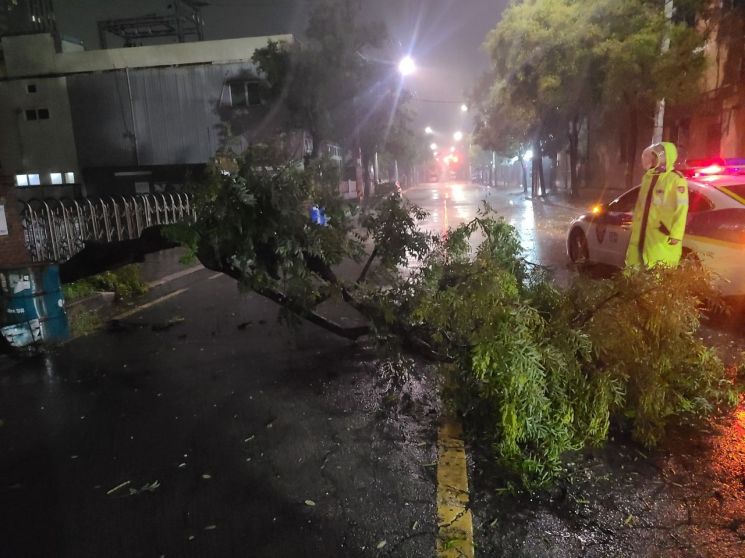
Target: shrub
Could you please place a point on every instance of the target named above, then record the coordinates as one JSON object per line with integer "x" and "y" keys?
{"x": 126, "y": 283}
{"x": 538, "y": 371}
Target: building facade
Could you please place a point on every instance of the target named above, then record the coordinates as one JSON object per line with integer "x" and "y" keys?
{"x": 714, "y": 125}
{"x": 127, "y": 120}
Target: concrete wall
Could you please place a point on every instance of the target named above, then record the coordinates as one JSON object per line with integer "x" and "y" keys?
{"x": 39, "y": 146}
{"x": 34, "y": 55}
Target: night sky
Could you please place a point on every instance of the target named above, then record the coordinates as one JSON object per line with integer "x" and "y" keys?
{"x": 444, "y": 36}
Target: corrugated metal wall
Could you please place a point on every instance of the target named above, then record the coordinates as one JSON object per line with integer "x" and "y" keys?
{"x": 154, "y": 116}
{"x": 102, "y": 119}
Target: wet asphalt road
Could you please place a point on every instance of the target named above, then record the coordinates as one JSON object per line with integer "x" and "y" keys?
{"x": 263, "y": 443}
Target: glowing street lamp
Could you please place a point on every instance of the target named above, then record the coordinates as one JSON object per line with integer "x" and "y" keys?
{"x": 464, "y": 107}
{"x": 433, "y": 146}
{"x": 429, "y": 131}
{"x": 452, "y": 150}
{"x": 406, "y": 66}
{"x": 457, "y": 136}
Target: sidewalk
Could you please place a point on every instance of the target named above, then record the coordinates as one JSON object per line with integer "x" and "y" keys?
{"x": 583, "y": 201}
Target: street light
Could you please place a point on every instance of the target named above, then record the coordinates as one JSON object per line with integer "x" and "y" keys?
{"x": 406, "y": 66}
{"x": 452, "y": 150}
{"x": 429, "y": 131}
{"x": 457, "y": 136}
{"x": 433, "y": 146}
{"x": 464, "y": 107}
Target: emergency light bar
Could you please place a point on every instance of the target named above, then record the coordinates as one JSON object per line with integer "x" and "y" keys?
{"x": 714, "y": 166}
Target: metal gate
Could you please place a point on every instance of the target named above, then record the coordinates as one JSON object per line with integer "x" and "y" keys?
{"x": 56, "y": 230}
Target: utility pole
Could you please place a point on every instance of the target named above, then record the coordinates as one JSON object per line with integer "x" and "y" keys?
{"x": 659, "y": 117}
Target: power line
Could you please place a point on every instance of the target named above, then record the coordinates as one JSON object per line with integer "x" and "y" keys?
{"x": 438, "y": 101}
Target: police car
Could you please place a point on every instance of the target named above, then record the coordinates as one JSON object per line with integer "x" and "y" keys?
{"x": 715, "y": 229}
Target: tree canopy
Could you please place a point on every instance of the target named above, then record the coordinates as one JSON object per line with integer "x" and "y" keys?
{"x": 556, "y": 63}
{"x": 333, "y": 86}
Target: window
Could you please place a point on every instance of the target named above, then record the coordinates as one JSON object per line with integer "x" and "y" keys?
{"x": 31, "y": 88}
{"x": 37, "y": 114}
{"x": 56, "y": 177}
{"x": 237, "y": 93}
{"x": 69, "y": 178}
{"x": 698, "y": 202}
{"x": 23, "y": 180}
{"x": 626, "y": 203}
{"x": 244, "y": 93}
{"x": 253, "y": 93}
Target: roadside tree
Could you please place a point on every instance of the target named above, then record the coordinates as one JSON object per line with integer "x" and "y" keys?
{"x": 534, "y": 370}
{"x": 566, "y": 64}
{"x": 332, "y": 86}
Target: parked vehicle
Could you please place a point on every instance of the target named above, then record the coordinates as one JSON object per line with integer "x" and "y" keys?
{"x": 715, "y": 230}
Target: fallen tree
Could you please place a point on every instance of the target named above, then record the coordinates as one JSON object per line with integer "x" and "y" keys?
{"x": 535, "y": 369}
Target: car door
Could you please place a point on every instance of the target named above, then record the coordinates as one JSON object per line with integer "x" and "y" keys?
{"x": 613, "y": 231}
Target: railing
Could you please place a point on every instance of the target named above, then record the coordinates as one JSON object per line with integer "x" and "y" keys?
{"x": 56, "y": 230}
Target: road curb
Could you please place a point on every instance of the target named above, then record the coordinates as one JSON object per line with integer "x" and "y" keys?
{"x": 454, "y": 518}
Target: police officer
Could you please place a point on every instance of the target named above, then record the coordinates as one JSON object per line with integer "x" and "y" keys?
{"x": 661, "y": 210}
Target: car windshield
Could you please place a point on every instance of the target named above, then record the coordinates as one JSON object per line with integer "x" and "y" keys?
{"x": 736, "y": 191}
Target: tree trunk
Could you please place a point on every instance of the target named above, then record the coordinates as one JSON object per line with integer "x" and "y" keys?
{"x": 366, "y": 160}
{"x": 573, "y": 155}
{"x": 553, "y": 174}
{"x": 315, "y": 152}
{"x": 632, "y": 147}
{"x": 525, "y": 174}
{"x": 538, "y": 158}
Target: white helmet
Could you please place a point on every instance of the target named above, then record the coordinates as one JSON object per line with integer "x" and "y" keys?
{"x": 653, "y": 157}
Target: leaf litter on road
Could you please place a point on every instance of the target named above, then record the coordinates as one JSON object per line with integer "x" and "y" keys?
{"x": 117, "y": 488}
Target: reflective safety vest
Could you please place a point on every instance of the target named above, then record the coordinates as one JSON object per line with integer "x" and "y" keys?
{"x": 659, "y": 215}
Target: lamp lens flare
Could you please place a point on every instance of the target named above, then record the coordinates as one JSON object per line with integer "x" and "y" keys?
{"x": 406, "y": 66}
{"x": 433, "y": 146}
{"x": 428, "y": 130}
{"x": 457, "y": 136}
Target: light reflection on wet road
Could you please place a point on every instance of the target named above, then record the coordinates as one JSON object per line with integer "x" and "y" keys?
{"x": 542, "y": 226}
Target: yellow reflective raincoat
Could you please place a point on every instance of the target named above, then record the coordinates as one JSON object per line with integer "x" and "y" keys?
{"x": 660, "y": 215}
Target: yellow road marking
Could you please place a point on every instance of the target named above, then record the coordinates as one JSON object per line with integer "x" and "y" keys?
{"x": 150, "y": 304}
{"x": 454, "y": 519}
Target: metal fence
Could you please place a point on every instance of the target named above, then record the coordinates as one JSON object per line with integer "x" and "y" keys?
{"x": 56, "y": 230}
